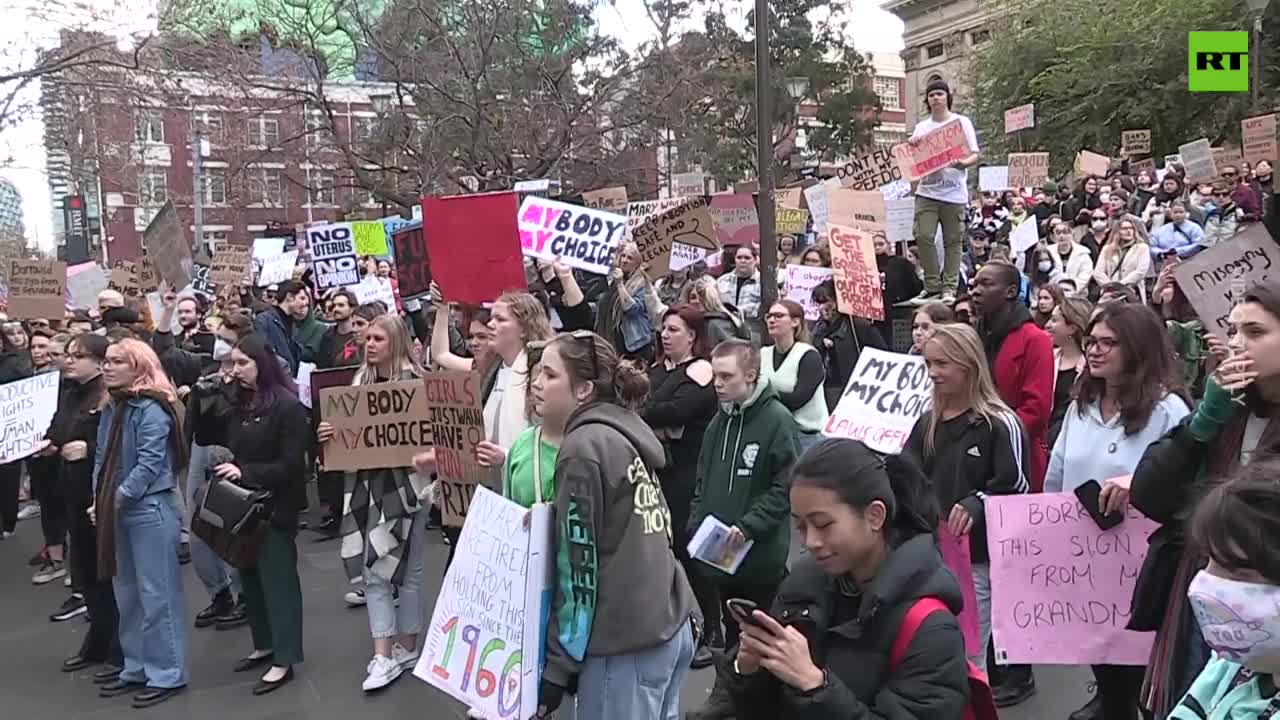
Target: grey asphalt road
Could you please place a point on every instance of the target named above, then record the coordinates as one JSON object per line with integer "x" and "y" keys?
{"x": 327, "y": 687}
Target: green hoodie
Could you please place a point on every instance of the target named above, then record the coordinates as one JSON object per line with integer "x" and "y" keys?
{"x": 742, "y": 480}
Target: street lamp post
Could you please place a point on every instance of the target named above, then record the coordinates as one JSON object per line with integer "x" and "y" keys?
{"x": 764, "y": 163}
{"x": 1258, "y": 7}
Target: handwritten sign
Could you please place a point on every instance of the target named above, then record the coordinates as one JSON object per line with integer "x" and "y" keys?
{"x": 1148, "y": 164}
{"x": 456, "y": 415}
{"x": 1136, "y": 142}
{"x": 168, "y": 248}
{"x": 993, "y": 178}
{"x": 857, "y": 278}
{"x": 858, "y": 208}
{"x": 1022, "y": 117}
{"x": 487, "y": 629}
{"x": 788, "y": 197}
{"x": 886, "y": 394}
{"x": 413, "y": 267}
{"x": 933, "y": 152}
{"x": 27, "y": 407}
{"x": 611, "y": 199}
{"x": 37, "y": 289}
{"x": 1065, "y": 586}
{"x": 691, "y": 184}
{"x": 1028, "y": 169}
{"x": 229, "y": 267}
{"x": 799, "y": 284}
{"x": 1206, "y": 278}
{"x": 372, "y": 290}
{"x": 277, "y": 268}
{"x": 1091, "y": 163}
{"x": 1224, "y": 156}
{"x": 84, "y": 282}
{"x": 1197, "y": 160}
{"x": 133, "y": 279}
{"x": 583, "y": 238}
{"x": 870, "y": 171}
{"x": 375, "y": 426}
{"x": 1258, "y": 137}
{"x": 333, "y": 256}
{"x": 370, "y": 238}
{"x": 688, "y": 224}
{"x": 790, "y": 221}
{"x": 900, "y": 216}
{"x": 736, "y": 219}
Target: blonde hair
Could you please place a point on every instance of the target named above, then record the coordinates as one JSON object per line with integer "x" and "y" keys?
{"x": 708, "y": 294}
{"x": 149, "y": 375}
{"x": 535, "y": 326}
{"x": 959, "y": 344}
{"x": 402, "y": 360}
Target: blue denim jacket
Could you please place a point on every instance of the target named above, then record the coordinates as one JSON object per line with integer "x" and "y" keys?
{"x": 635, "y": 326}
{"x": 145, "y": 454}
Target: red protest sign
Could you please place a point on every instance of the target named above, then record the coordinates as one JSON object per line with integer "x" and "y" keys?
{"x": 413, "y": 267}
{"x": 933, "y": 152}
{"x": 857, "y": 278}
{"x": 473, "y": 242}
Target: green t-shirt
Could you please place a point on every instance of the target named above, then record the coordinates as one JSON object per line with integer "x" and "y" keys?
{"x": 517, "y": 474}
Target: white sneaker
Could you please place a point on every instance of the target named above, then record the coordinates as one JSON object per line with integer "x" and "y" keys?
{"x": 382, "y": 672}
{"x": 354, "y": 598}
{"x": 28, "y": 511}
{"x": 406, "y": 659}
{"x": 475, "y": 714}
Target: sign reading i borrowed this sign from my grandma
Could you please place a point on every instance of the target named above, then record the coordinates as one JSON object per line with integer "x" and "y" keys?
{"x": 37, "y": 289}
{"x": 886, "y": 394}
{"x": 27, "y": 407}
{"x": 583, "y": 238}
{"x": 457, "y": 426}
{"x": 375, "y": 426}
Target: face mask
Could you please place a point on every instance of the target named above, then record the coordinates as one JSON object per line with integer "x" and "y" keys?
{"x": 1099, "y": 224}
{"x": 1238, "y": 620}
{"x": 1045, "y": 265}
{"x": 221, "y": 349}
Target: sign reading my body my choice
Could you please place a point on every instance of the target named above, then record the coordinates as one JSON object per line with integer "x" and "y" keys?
{"x": 583, "y": 238}
{"x": 886, "y": 394}
{"x": 375, "y": 426}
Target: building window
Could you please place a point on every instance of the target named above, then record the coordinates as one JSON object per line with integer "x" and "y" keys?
{"x": 264, "y": 132}
{"x": 208, "y": 125}
{"x": 153, "y": 187}
{"x": 320, "y": 188}
{"x": 364, "y": 129}
{"x": 889, "y": 90}
{"x": 214, "y": 239}
{"x": 266, "y": 186}
{"x": 978, "y": 37}
{"x": 934, "y": 51}
{"x": 149, "y": 127}
{"x": 214, "y": 186}
{"x": 886, "y": 139}
{"x": 319, "y": 134}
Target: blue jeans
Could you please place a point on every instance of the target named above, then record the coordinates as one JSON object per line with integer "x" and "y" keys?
{"x": 148, "y": 588}
{"x": 643, "y": 684}
{"x": 386, "y": 619}
{"x": 215, "y": 574}
{"x": 982, "y": 593}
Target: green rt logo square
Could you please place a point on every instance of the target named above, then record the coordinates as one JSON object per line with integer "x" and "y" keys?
{"x": 1218, "y": 61}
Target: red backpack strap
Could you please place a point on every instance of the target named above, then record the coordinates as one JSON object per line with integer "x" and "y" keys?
{"x": 911, "y": 622}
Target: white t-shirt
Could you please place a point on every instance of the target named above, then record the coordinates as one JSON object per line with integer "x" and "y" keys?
{"x": 948, "y": 185}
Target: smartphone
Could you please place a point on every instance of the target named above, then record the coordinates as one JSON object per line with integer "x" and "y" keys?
{"x": 741, "y": 609}
{"x": 1088, "y": 495}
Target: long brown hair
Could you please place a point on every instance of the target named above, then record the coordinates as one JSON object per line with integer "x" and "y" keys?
{"x": 1151, "y": 370}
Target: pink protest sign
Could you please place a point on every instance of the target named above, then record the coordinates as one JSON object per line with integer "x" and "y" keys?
{"x": 1061, "y": 587}
{"x": 955, "y": 555}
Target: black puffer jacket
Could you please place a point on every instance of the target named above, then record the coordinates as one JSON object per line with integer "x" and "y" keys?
{"x": 850, "y": 636}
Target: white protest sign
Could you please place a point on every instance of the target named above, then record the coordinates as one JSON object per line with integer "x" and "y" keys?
{"x": 368, "y": 291}
{"x": 276, "y": 268}
{"x": 583, "y": 238}
{"x": 1022, "y": 117}
{"x": 799, "y": 285}
{"x": 333, "y": 255}
{"x": 895, "y": 189}
{"x": 900, "y": 219}
{"x": 27, "y": 407}
{"x": 84, "y": 282}
{"x": 993, "y": 177}
{"x": 1197, "y": 160}
{"x": 268, "y": 246}
{"x": 682, "y": 256}
{"x": 886, "y": 394}
{"x": 1025, "y": 236}
{"x": 816, "y": 198}
{"x": 304, "y": 383}
{"x": 487, "y": 631}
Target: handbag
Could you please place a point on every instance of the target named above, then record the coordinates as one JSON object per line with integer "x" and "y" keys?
{"x": 232, "y": 520}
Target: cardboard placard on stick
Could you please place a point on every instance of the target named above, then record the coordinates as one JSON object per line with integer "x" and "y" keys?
{"x": 689, "y": 224}
{"x": 1258, "y": 138}
{"x": 857, "y": 279}
{"x": 382, "y": 425}
{"x": 1091, "y": 163}
{"x": 1022, "y": 117}
{"x": 168, "y": 248}
{"x": 456, "y": 414}
{"x": 37, "y": 289}
{"x": 1136, "y": 142}
{"x": 1028, "y": 170}
{"x": 1197, "y": 160}
{"x": 610, "y": 199}
{"x": 229, "y": 268}
{"x": 1206, "y": 278}
{"x": 933, "y": 152}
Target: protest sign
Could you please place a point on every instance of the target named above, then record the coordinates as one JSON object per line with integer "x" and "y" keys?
{"x": 474, "y": 245}
{"x": 375, "y": 426}
{"x": 791, "y": 197}
{"x": 333, "y": 256}
{"x": 1063, "y": 586}
{"x": 896, "y": 189}
{"x": 1022, "y": 117}
{"x": 1224, "y": 157}
{"x": 1148, "y": 164}
{"x": 747, "y": 187}
{"x": 688, "y": 224}
{"x": 790, "y": 221}
{"x": 37, "y": 289}
{"x": 870, "y": 171}
{"x": 857, "y": 279}
{"x": 370, "y": 290}
{"x": 689, "y": 184}
{"x": 338, "y": 377}
{"x": 488, "y": 624}
{"x": 955, "y": 555}
{"x": 413, "y": 268}
{"x": 1206, "y": 278}
{"x": 84, "y": 282}
{"x": 1091, "y": 163}
{"x": 900, "y": 218}
{"x": 815, "y": 197}
{"x": 1025, "y": 236}
{"x": 132, "y": 279}
{"x": 583, "y": 238}
{"x": 1197, "y": 160}
{"x": 168, "y": 248}
{"x": 27, "y": 407}
{"x": 277, "y": 268}
{"x": 799, "y": 284}
{"x": 456, "y": 414}
{"x": 229, "y": 268}
{"x": 1136, "y": 142}
{"x": 884, "y": 397}
{"x": 394, "y": 224}
{"x": 1258, "y": 138}
{"x": 200, "y": 281}
{"x": 993, "y": 178}
{"x": 683, "y": 256}
{"x": 304, "y": 383}
{"x": 736, "y": 220}
{"x": 370, "y": 238}
{"x": 932, "y": 152}
{"x": 612, "y": 199}
{"x": 1028, "y": 170}
{"x": 1172, "y": 159}
{"x": 269, "y": 246}
{"x": 857, "y": 208}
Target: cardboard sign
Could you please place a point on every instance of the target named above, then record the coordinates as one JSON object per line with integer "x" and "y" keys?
{"x": 900, "y": 218}
{"x": 1025, "y": 236}
{"x": 886, "y": 394}
{"x": 1258, "y": 138}
{"x": 84, "y": 282}
{"x": 1136, "y": 142}
{"x": 375, "y": 426}
{"x": 1197, "y": 160}
{"x": 583, "y": 238}
{"x": 27, "y": 407}
{"x": 456, "y": 414}
{"x": 333, "y": 256}
{"x": 1066, "y": 586}
{"x": 736, "y": 219}
{"x": 37, "y": 289}
{"x": 1206, "y": 278}
{"x": 488, "y": 626}
{"x": 792, "y": 197}
{"x": 413, "y": 267}
{"x": 790, "y": 221}
{"x": 1028, "y": 170}
{"x": 229, "y": 268}
{"x": 126, "y": 278}
{"x": 799, "y": 284}
{"x": 1022, "y": 117}
{"x": 933, "y": 152}
{"x": 1091, "y": 163}
{"x": 277, "y": 268}
{"x": 1224, "y": 157}
{"x": 369, "y": 291}
{"x": 857, "y": 208}
{"x": 474, "y": 245}
{"x": 690, "y": 184}
{"x": 688, "y": 224}
{"x": 870, "y": 171}
{"x": 993, "y": 178}
{"x": 816, "y": 198}
{"x": 1148, "y": 164}
{"x": 370, "y": 238}
{"x": 168, "y": 248}
{"x": 612, "y": 199}
{"x": 857, "y": 279}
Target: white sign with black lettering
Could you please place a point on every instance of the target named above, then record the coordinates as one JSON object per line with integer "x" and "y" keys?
{"x": 333, "y": 255}
{"x": 886, "y": 394}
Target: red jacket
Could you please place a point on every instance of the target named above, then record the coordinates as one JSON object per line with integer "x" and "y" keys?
{"x": 1024, "y": 375}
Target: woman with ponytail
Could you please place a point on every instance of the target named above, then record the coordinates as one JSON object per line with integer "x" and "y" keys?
{"x": 822, "y": 650}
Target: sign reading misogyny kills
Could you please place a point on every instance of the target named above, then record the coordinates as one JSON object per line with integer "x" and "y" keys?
{"x": 1064, "y": 585}
{"x": 583, "y": 238}
{"x": 487, "y": 629}
{"x": 37, "y": 289}
{"x": 857, "y": 279}
{"x": 27, "y": 407}
{"x": 375, "y": 426}
{"x": 886, "y": 394}
{"x": 1206, "y": 278}
{"x": 333, "y": 256}
{"x": 456, "y": 415}
{"x": 933, "y": 152}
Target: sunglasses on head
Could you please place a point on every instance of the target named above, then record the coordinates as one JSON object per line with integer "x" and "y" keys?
{"x": 1221, "y": 194}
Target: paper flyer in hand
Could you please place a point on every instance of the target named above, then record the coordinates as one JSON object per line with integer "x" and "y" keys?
{"x": 712, "y": 544}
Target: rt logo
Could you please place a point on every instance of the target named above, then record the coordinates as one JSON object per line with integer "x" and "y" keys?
{"x": 1218, "y": 61}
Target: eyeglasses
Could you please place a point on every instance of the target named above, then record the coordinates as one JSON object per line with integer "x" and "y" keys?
{"x": 777, "y": 316}
{"x": 1221, "y": 194}
{"x": 1100, "y": 346}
